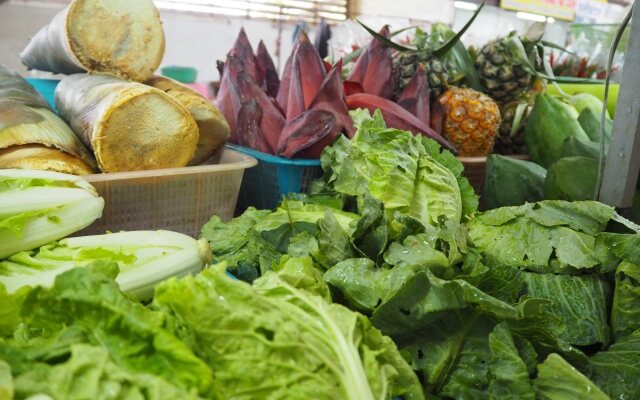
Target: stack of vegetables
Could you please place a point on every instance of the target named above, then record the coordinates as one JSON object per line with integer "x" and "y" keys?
{"x": 129, "y": 119}
{"x": 32, "y": 135}
{"x": 385, "y": 283}
{"x": 563, "y": 138}
{"x": 41, "y": 207}
{"x": 72, "y": 326}
{"x": 534, "y": 301}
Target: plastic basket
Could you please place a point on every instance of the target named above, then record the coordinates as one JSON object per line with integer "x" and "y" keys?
{"x": 47, "y": 88}
{"x": 176, "y": 199}
{"x": 274, "y": 177}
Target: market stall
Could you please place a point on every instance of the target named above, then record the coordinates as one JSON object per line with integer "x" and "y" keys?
{"x": 410, "y": 218}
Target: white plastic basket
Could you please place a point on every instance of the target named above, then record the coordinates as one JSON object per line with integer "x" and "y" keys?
{"x": 176, "y": 199}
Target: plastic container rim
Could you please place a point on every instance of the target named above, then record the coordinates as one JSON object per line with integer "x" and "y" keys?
{"x": 298, "y": 162}
{"x": 245, "y": 162}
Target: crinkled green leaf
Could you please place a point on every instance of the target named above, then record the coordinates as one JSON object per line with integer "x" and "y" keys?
{"x": 549, "y": 236}
{"x": 90, "y": 374}
{"x": 228, "y": 240}
{"x": 454, "y": 357}
{"x": 625, "y": 311}
{"x": 419, "y": 251}
{"x": 624, "y": 246}
{"x": 302, "y": 244}
{"x": 299, "y": 272}
{"x": 580, "y": 303}
{"x": 509, "y": 375}
{"x": 558, "y": 380}
{"x": 616, "y": 370}
{"x": 425, "y": 299}
{"x": 89, "y": 299}
{"x": 408, "y": 174}
{"x": 334, "y": 244}
{"x": 296, "y": 212}
{"x": 366, "y": 286}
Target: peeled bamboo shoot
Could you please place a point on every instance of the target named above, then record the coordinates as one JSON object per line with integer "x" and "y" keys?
{"x": 214, "y": 129}
{"x": 117, "y": 37}
{"x": 128, "y": 125}
{"x": 35, "y": 156}
{"x": 27, "y": 119}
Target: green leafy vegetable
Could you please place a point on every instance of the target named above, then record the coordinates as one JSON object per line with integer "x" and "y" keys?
{"x": 616, "y": 370}
{"x": 625, "y": 311}
{"x": 296, "y": 344}
{"x": 558, "y": 380}
{"x": 544, "y": 237}
{"x": 507, "y": 370}
{"x": 144, "y": 258}
{"x": 85, "y": 305}
{"x": 38, "y": 207}
{"x": 91, "y": 374}
{"x": 407, "y": 174}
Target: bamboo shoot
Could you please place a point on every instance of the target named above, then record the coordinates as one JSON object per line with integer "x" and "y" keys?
{"x": 214, "y": 129}
{"x": 35, "y": 156}
{"x": 128, "y": 125}
{"x": 118, "y": 37}
{"x": 27, "y": 120}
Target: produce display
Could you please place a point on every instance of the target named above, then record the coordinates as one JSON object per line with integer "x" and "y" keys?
{"x": 32, "y": 135}
{"x": 532, "y": 301}
{"x": 390, "y": 278}
{"x": 127, "y": 125}
{"x": 74, "y": 41}
{"x": 562, "y": 135}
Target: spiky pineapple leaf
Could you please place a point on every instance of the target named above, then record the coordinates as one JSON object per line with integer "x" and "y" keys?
{"x": 356, "y": 53}
{"x": 386, "y": 41}
{"x": 552, "y": 45}
{"x": 517, "y": 119}
{"x": 449, "y": 44}
{"x": 462, "y": 59}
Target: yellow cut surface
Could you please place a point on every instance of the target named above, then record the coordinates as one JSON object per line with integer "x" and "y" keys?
{"x": 119, "y": 37}
{"x": 148, "y": 130}
{"x": 43, "y": 158}
{"x": 214, "y": 129}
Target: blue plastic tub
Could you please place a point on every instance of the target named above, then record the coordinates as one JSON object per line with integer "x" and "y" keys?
{"x": 47, "y": 88}
{"x": 264, "y": 186}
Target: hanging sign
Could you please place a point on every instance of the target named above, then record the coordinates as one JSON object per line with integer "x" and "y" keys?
{"x": 559, "y": 9}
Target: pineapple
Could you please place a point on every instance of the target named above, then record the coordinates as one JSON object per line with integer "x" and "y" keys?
{"x": 507, "y": 143}
{"x": 468, "y": 119}
{"x": 516, "y": 113}
{"x": 442, "y": 71}
{"x": 505, "y": 64}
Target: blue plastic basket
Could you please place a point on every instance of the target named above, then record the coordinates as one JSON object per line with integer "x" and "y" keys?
{"x": 264, "y": 185}
{"x": 47, "y": 88}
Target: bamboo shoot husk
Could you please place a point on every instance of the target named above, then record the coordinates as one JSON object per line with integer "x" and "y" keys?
{"x": 26, "y": 118}
{"x": 118, "y": 37}
{"x": 214, "y": 129}
{"x": 128, "y": 125}
{"x": 35, "y": 156}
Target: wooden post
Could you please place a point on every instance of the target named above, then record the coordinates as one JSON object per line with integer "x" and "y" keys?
{"x": 623, "y": 161}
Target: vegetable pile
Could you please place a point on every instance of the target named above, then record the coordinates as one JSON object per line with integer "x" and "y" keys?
{"x": 383, "y": 283}
{"x": 534, "y": 301}
{"x": 562, "y": 137}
